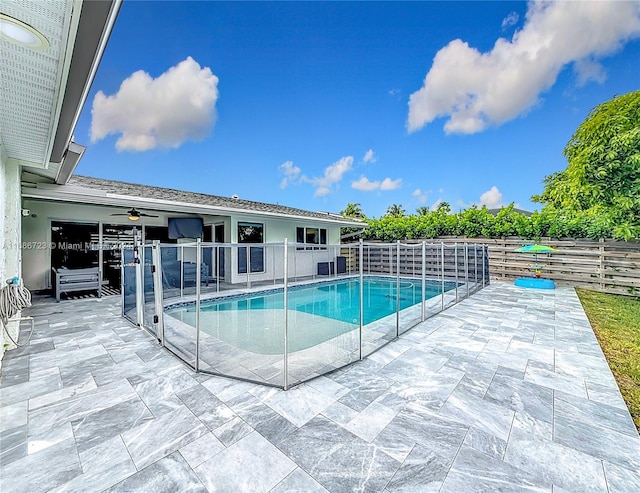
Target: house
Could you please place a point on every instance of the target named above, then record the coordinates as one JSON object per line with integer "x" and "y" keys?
{"x": 83, "y": 222}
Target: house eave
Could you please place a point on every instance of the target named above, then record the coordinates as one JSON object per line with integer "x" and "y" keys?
{"x": 44, "y": 191}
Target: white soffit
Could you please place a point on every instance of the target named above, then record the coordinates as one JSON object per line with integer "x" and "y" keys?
{"x": 32, "y": 81}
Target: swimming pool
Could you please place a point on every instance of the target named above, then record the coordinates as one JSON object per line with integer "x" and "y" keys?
{"x": 317, "y": 312}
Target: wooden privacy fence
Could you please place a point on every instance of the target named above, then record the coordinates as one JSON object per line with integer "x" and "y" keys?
{"x": 609, "y": 266}
{"x": 442, "y": 260}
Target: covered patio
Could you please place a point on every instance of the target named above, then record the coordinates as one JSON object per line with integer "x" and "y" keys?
{"x": 506, "y": 391}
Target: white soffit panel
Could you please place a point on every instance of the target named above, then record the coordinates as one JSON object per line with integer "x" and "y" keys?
{"x": 30, "y": 80}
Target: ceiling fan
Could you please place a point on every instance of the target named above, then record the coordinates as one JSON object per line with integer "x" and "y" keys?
{"x": 134, "y": 214}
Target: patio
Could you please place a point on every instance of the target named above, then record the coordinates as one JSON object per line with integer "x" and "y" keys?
{"x": 506, "y": 391}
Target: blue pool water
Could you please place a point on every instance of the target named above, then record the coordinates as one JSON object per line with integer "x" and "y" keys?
{"x": 339, "y": 300}
{"x": 317, "y": 313}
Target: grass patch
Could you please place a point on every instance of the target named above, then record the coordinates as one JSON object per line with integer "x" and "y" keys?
{"x": 616, "y": 323}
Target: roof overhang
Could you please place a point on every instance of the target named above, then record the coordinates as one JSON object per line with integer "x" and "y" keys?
{"x": 94, "y": 28}
{"x": 39, "y": 122}
{"x": 77, "y": 195}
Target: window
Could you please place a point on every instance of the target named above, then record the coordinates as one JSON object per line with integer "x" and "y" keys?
{"x": 250, "y": 233}
{"x": 310, "y": 237}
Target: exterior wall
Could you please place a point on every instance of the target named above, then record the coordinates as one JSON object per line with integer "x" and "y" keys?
{"x": 275, "y": 231}
{"x": 37, "y": 238}
{"x": 10, "y": 239}
{"x": 36, "y": 232}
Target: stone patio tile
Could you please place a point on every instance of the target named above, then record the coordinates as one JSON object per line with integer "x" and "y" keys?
{"x": 570, "y": 384}
{"x": 422, "y": 471}
{"x": 419, "y": 425}
{"x": 298, "y": 482}
{"x": 201, "y": 449}
{"x": 486, "y": 443}
{"x": 40, "y": 439}
{"x": 621, "y": 479}
{"x": 469, "y": 409}
{"x": 94, "y": 428}
{"x": 44, "y": 383}
{"x": 300, "y": 404}
{"x": 165, "y": 385}
{"x": 167, "y": 475}
{"x": 339, "y": 413}
{"x": 371, "y": 421}
{"x": 105, "y": 464}
{"x": 594, "y": 413}
{"x": 474, "y": 471}
{"x": 74, "y": 408}
{"x": 155, "y": 439}
{"x": 250, "y": 464}
{"x": 42, "y": 471}
{"x": 232, "y": 431}
{"x": 597, "y": 441}
{"x": 522, "y": 396}
{"x": 206, "y": 406}
{"x": 13, "y": 444}
{"x": 606, "y": 394}
{"x": 555, "y": 463}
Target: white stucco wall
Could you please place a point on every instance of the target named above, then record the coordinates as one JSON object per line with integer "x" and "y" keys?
{"x": 36, "y": 233}
{"x": 10, "y": 238}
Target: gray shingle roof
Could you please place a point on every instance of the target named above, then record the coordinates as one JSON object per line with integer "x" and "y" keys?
{"x": 151, "y": 192}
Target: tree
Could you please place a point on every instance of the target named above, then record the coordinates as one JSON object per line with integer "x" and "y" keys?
{"x": 353, "y": 211}
{"x": 603, "y": 173}
{"x": 423, "y": 211}
{"x": 395, "y": 210}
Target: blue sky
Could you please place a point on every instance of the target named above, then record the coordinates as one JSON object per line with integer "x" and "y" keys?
{"x": 317, "y": 104}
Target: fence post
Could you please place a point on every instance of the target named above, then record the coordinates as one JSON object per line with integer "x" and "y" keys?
{"x": 455, "y": 252}
{"x": 122, "y": 279}
{"x": 424, "y": 280}
{"x": 361, "y": 268}
{"x": 442, "y": 271}
{"x": 138, "y": 259}
{"x": 285, "y": 263}
{"x": 466, "y": 266}
{"x": 248, "y": 250}
{"x": 397, "y": 288}
{"x": 483, "y": 266}
{"x": 475, "y": 265}
{"x": 156, "y": 253}
{"x": 601, "y": 264}
{"x": 181, "y": 270}
{"x": 198, "y": 275}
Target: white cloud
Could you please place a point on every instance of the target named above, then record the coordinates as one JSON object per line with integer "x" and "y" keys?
{"x": 389, "y": 184}
{"x": 510, "y": 20}
{"x": 177, "y": 106}
{"x": 369, "y": 157}
{"x": 332, "y": 175}
{"x": 492, "y": 198}
{"x": 475, "y": 90}
{"x": 365, "y": 185}
{"x": 420, "y": 196}
{"x": 290, "y": 173}
{"x": 435, "y": 205}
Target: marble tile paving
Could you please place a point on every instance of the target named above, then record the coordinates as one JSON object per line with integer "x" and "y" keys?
{"x": 506, "y": 391}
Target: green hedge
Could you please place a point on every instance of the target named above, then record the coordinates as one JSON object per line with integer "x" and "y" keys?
{"x": 475, "y": 222}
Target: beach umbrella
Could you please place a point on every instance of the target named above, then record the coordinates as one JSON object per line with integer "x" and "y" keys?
{"x": 536, "y": 249}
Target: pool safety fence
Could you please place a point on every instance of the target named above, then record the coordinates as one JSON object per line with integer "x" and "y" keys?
{"x": 283, "y": 313}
